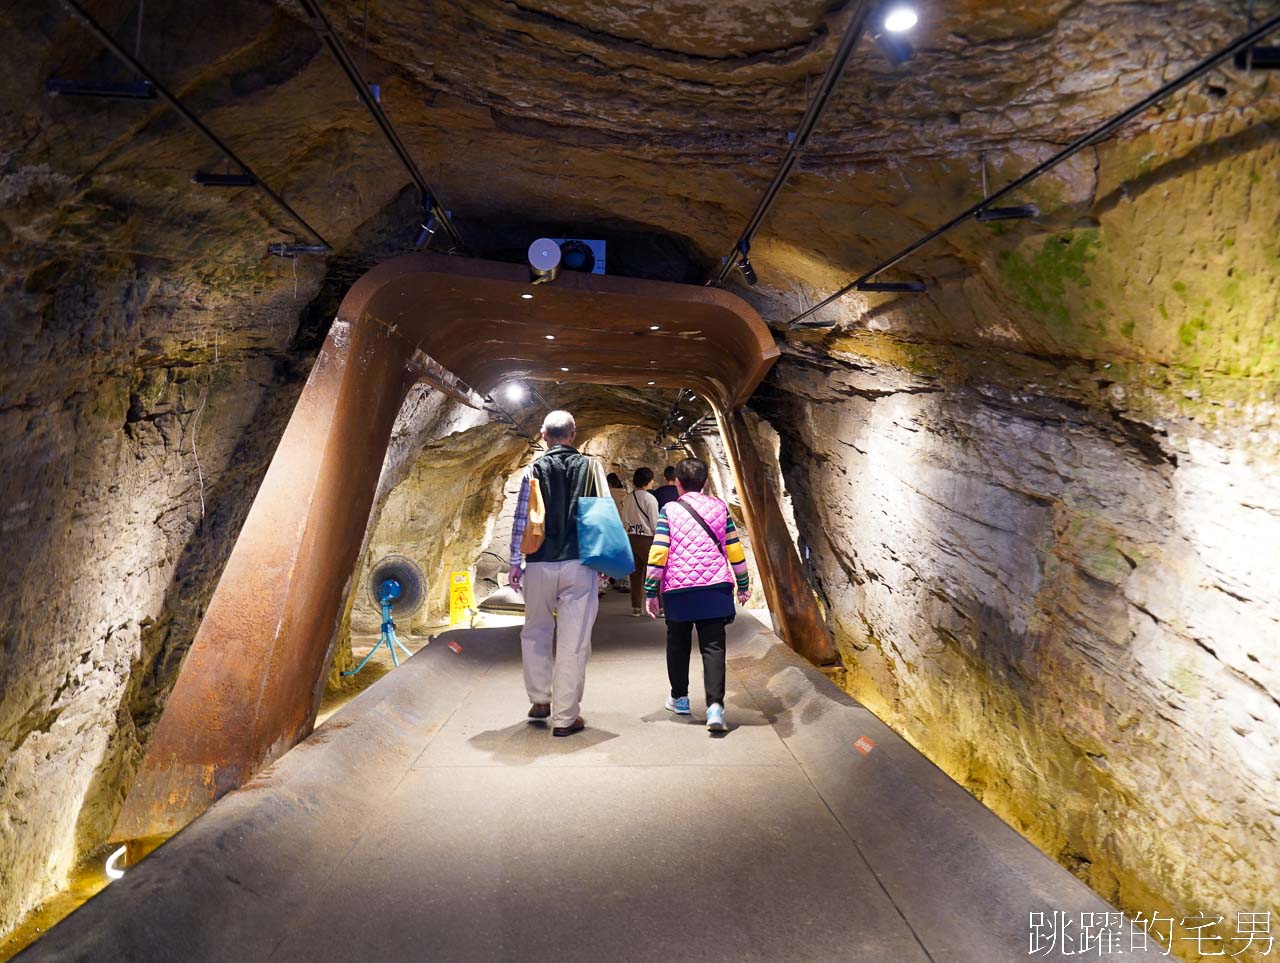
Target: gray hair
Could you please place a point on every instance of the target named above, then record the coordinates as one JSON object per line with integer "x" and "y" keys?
{"x": 559, "y": 426}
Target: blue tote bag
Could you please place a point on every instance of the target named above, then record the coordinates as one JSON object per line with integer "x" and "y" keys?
{"x": 602, "y": 541}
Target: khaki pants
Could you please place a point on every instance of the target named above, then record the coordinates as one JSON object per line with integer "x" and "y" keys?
{"x": 568, "y": 589}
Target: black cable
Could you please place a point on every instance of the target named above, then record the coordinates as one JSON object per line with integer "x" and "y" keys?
{"x": 821, "y": 97}
{"x": 320, "y": 23}
{"x": 134, "y": 64}
{"x": 1098, "y": 133}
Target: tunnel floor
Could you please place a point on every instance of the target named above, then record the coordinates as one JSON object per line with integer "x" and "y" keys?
{"x": 429, "y": 820}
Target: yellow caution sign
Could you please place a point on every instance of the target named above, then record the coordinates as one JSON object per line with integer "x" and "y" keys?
{"x": 462, "y": 600}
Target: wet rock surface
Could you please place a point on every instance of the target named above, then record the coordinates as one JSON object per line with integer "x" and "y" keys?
{"x": 1040, "y": 497}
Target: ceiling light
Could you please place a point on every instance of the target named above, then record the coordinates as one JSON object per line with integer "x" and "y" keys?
{"x": 516, "y": 393}
{"x": 564, "y": 369}
{"x": 527, "y": 297}
{"x": 653, "y": 382}
{"x": 654, "y": 327}
{"x": 549, "y": 337}
{"x": 900, "y": 19}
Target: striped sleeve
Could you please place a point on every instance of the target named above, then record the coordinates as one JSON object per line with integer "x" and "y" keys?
{"x": 657, "y": 556}
{"x": 521, "y": 520}
{"x": 737, "y": 556}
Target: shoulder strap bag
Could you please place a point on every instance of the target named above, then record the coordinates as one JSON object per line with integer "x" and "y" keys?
{"x": 602, "y": 541}
{"x": 535, "y": 529}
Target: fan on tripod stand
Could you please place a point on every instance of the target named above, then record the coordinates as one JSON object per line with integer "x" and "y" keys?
{"x": 398, "y": 587}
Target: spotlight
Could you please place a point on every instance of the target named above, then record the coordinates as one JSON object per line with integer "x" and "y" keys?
{"x": 746, "y": 270}
{"x": 653, "y": 383}
{"x": 655, "y": 327}
{"x": 205, "y": 179}
{"x": 293, "y": 250}
{"x": 1017, "y": 212}
{"x": 527, "y": 297}
{"x": 544, "y": 260}
{"x": 549, "y": 337}
{"x": 130, "y": 90}
{"x": 1258, "y": 58}
{"x": 516, "y": 393}
{"x": 426, "y": 230}
{"x": 899, "y": 19}
{"x": 564, "y": 369}
{"x": 892, "y": 287}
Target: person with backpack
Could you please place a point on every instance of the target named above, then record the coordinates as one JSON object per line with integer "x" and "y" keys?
{"x": 696, "y": 564}
{"x": 640, "y": 516}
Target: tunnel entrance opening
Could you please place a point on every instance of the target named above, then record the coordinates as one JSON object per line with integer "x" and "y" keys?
{"x": 251, "y": 684}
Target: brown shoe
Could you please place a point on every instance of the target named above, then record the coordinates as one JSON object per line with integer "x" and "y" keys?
{"x": 540, "y": 710}
{"x": 576, "y": 726}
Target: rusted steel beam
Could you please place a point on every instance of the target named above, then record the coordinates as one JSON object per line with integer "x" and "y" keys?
{"x": 791, "y": 599}
{"x": 248, "y": 688}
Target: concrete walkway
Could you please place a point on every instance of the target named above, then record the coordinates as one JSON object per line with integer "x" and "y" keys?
{"x": 428, "y": 820}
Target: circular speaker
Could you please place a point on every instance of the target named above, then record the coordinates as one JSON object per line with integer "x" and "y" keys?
{"x": 576, "y": 256}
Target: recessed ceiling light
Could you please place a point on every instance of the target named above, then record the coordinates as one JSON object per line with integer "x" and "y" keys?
{"x": 527, "y": 297}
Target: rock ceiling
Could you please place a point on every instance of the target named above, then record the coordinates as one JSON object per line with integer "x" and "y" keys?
{"x": 661, "y": 117}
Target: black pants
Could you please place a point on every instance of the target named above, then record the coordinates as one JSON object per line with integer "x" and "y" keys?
{"x": 679, "y": 646}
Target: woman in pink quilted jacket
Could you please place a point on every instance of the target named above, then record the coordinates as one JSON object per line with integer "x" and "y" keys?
{"x": 696, "y": 564}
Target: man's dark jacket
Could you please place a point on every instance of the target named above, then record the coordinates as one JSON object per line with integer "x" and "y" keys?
{"x": 561, "y": 475}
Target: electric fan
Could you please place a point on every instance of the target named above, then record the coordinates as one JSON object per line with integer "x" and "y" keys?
{"x": 396, "y": 585}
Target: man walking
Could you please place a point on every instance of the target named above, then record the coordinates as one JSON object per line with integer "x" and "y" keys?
{"x": 560, "y": 593}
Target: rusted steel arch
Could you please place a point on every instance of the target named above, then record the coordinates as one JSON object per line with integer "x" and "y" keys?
{"x": 483, "y": 330}
{"x": 250, "y": 686}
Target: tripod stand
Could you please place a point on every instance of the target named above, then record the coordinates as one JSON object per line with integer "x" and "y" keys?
{"x": 387, "y": 594}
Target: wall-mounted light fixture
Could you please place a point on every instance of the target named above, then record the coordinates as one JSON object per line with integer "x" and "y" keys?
{"x": 892, "y": 287}
{"x": 206, "y": 179}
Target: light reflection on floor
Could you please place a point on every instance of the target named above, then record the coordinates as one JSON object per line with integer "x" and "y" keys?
{"x": 87, "y": 880}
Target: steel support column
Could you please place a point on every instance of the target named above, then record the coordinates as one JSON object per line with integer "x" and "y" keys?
{"x": 791, "y": 600}
{"x": 249, "y": 688}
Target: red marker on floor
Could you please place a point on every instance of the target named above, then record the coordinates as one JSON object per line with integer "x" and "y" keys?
{"x": 864, "y": 745}
{"x": 455, "y": 646}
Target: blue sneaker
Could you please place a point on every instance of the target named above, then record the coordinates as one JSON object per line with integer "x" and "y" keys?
{"x": 715, "y": 718}
{"x": 679, "y": 706}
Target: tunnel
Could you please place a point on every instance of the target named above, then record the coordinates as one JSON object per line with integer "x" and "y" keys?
{"x": 967, "y": 309}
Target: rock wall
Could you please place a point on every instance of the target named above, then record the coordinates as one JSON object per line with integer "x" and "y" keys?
{"x": 138, "y": 414}
{"x": 1067, "y": 607}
